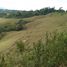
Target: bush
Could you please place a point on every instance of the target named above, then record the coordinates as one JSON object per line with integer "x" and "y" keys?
{"x": 20, "y": 46}
{"x": 51, "y": 53}
{"x": 7, "y": 27}
{"x": 20, "y": 25}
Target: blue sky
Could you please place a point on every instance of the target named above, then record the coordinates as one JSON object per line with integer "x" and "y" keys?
{"x": 32, "y": 4}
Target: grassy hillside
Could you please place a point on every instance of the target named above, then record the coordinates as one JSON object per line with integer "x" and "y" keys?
{"x": 35, "y": 29}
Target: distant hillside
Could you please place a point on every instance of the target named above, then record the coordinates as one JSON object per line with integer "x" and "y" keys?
{"x": 25, "y": 14}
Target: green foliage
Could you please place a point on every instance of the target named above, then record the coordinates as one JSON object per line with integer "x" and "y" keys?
{"x": 20, "y": 46}
{"x": 2, "y": 61}
{"x": 20, "y": 25}
{"x": 6, "y": 27}
{"x": 50, "y": 53}
{"x": 25, "y": 14}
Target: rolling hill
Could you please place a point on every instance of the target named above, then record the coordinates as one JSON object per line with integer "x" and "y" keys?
{"x": 36, "y": 28}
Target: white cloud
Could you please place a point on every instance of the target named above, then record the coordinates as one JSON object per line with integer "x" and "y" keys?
{"x": 32, "y": 4}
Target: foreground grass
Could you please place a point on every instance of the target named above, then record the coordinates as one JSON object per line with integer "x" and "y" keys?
{"x": 50, "y": 53}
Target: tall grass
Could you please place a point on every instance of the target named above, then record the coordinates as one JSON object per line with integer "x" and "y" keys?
{"x": 2, "y": 34}
{"x": 50, "y": 53}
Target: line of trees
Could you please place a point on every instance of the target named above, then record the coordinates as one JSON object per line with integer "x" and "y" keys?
{"x": 25, "y": 14}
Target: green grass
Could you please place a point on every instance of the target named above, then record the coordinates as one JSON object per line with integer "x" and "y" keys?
{"x": 35, "y": 29}
{"x": 31, "y": 47}
{"x": 52, "y": 52}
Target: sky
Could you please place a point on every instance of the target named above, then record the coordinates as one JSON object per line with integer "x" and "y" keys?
{"x": 32, "y": 4}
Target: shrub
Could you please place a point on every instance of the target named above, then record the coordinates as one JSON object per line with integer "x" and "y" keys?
{"x": 51, "y": 53}
{"x": 20, "y": 24}
{"x": 6, "y": 27}
{"x": 20, "y": 46}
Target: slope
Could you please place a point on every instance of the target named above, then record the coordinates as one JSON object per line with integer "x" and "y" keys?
{"x": 36, "y": 29}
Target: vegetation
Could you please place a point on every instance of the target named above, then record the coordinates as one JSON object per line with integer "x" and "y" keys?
{"x": 34, "y": 30}
{"x": 50, "y": 53}
{"x": 20, "y": 24}
{"x": 24, "y": 14}
{"x": 7, "y": 27}
{"x": 12, "y": 27}
{"x": 2, "y": 34}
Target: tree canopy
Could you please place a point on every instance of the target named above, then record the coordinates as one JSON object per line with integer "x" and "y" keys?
{"x": 24, "y": 14}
